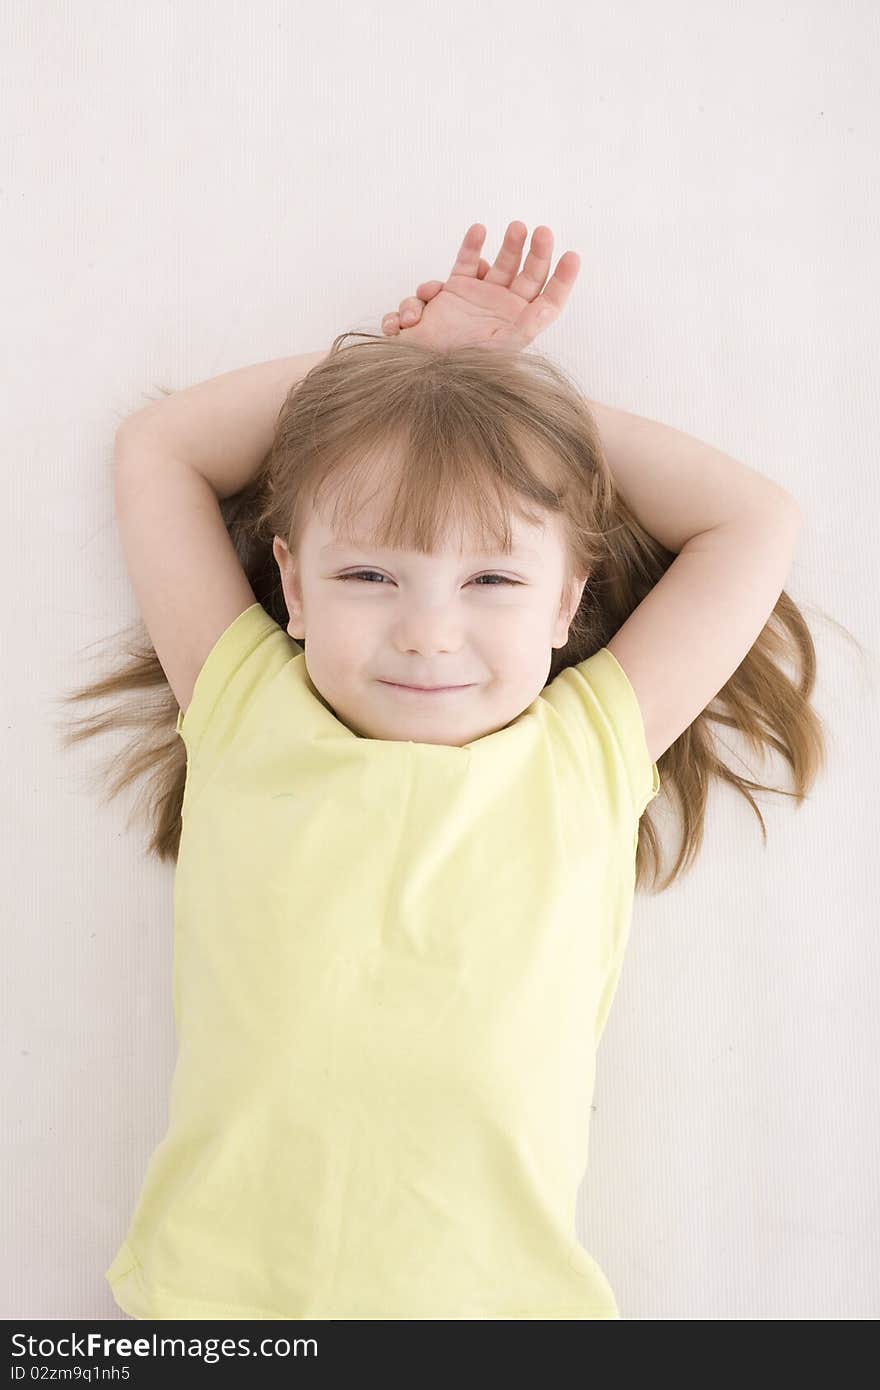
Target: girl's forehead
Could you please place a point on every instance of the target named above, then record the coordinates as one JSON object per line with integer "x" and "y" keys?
{"x": 364, "y": 528}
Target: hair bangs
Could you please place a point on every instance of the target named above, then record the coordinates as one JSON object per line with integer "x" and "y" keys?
{"x": 414, "y": 492}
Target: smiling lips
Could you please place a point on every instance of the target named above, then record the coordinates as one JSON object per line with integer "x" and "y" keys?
{"x": 425, "y": 689}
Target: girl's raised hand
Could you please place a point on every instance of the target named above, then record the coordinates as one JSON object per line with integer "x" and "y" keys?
{"x": 490, "y": 306}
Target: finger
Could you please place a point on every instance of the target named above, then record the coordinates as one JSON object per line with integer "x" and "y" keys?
{"x": 428, "y": 288}
{"x": 410, "y": 311}
{"x": 507, "y": 261}
{"x": 553, "y": 299}
{"x": 536, "y": 268}
{"x": 467, "y": 262}
{"x": 391, "y": 324}
{"x": 545, "y": 308}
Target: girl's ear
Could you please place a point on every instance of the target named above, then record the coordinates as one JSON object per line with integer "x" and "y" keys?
{"x": 295, "y": 622}
{"x": 572, "y": 595}
{"x": 291, "y": 587}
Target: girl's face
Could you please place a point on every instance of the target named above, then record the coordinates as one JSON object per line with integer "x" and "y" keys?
{"x": 481, "y": 626}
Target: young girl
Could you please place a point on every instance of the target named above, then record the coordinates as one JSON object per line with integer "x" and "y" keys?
{"x": 430, "y": 624}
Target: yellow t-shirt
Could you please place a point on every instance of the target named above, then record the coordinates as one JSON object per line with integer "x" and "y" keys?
{"x": 393, "y": 962}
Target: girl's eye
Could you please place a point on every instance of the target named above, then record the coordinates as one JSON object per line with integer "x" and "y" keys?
{"x": 502, "y": 579}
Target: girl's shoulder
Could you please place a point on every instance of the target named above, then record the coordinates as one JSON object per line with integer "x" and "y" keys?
{"x": 598, "y": 709}
{"x": 246, "y": 657}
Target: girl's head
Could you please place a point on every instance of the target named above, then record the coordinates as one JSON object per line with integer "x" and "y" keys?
{"x": 433, "y": 519}
{"x": 474, "y": 617}
{"x": 439, "y": 475}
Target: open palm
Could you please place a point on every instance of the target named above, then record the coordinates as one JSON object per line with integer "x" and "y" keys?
{"x": 491, "y": 306}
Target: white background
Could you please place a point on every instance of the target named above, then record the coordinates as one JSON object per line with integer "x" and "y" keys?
{"x": 187, "y": 188}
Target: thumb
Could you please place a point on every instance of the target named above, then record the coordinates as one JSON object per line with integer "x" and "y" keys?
{"x": 428, "y": 289}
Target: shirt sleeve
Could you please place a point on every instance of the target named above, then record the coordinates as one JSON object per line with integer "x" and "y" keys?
{"x": 243, "y": 661}
{"x": 597, "y": 693}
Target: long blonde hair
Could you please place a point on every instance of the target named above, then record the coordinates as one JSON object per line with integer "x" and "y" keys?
{"x": 478, "y": 433}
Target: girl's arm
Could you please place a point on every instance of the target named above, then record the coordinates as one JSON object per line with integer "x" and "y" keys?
{"x": 223, "y": 428}
{"x": 734, "y": 533}
{"x": 677, "y": 486}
